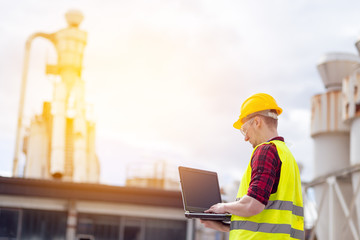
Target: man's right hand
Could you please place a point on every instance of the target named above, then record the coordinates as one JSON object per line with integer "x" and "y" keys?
{"x": 216, "y": 225}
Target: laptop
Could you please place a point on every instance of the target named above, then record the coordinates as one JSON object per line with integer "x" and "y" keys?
{"x": 200, "y": 190}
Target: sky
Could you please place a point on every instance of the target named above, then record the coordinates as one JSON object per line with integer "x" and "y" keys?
{"x": 166, "y": 79}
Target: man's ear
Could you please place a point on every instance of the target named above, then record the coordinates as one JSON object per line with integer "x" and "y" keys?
{"x": 257, "y": 121}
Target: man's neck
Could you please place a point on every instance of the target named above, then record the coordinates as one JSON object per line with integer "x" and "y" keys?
{"x": 269, "y": 135}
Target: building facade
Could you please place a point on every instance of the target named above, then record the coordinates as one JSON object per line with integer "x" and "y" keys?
{"x": 44, "y": 209}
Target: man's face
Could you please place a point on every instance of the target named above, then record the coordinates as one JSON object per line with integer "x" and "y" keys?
{"x": 244, "y": 128}
{"x": 248, "y": 130}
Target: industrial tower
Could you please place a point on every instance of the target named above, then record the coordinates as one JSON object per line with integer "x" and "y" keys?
{"x": 335, "y": 129}
{"x": 60, "y": 142}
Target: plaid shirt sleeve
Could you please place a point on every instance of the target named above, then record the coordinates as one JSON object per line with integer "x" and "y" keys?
{"x": 265, "y": 174}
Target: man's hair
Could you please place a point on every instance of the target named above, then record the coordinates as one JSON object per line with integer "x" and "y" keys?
{"x": 270, "y": 121}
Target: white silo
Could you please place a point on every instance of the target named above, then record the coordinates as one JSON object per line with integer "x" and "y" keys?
{"x": 37, "y": 161}
{"x": 331, "y": 142}
{"x": 351, "y": 115}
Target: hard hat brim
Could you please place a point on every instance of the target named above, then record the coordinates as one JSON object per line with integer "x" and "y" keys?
{"x": 238, "y": 124}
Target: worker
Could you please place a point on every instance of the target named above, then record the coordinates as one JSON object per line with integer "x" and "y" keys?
{"x": 269, "y": 201}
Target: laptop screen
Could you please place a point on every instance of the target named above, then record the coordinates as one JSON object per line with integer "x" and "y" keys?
{"x": 200, "y": 189}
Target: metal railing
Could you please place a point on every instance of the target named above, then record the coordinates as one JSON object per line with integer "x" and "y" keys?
{"x": 331, "y": 189}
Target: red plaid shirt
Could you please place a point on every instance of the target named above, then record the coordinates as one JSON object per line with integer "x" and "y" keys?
{"x": 265, "y": 174}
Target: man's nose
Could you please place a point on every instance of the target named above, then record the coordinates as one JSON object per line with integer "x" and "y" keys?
{"x": 246, "y": 138}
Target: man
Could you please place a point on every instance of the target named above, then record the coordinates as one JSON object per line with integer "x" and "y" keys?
{"x": 269, "y": 201}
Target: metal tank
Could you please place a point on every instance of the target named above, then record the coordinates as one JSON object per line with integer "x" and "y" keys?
{"x": 37, "y": 163}
{"x": 331, "y": 144}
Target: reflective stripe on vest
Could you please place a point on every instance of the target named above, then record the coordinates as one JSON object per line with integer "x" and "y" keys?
{"x": 284, "y": 205}
{"x": 267, "y": 228}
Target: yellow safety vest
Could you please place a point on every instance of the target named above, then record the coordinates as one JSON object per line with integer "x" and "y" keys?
{"x": 283, "y": 216}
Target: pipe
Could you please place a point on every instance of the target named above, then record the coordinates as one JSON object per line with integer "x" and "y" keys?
{"x": 22, "y": 97}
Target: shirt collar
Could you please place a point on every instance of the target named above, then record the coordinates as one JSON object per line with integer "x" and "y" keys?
{"x": 277, "y": 138}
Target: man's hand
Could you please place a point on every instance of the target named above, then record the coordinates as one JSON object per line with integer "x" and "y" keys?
{"x": 216, "y": 225}
{"x": 217, "y": 208}
{"x": 245, "y": 207}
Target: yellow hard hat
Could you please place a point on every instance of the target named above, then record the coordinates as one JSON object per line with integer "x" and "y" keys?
{"x": 256, "y": 103}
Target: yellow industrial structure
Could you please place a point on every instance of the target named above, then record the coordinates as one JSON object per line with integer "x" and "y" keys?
{"x": 60, "y": 143}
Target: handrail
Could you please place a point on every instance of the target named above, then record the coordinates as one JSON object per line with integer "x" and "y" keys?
{"x": 342, "y": 173}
